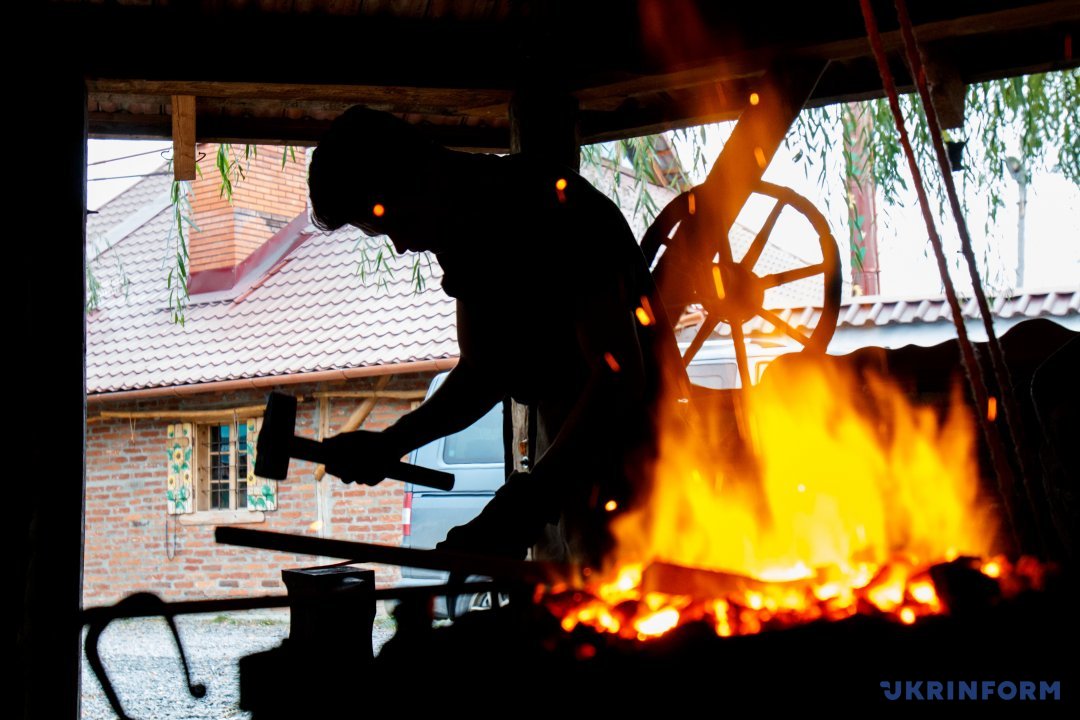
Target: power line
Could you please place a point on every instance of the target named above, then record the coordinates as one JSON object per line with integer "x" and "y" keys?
{"x": 159, "y": 151}
{"x": 125, "y": 177}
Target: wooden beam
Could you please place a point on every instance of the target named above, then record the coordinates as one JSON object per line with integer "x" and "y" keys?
{"x": 279, "y": 131}
{"x": 448, "y": 101}
{"x": 755, "y": 139}
{"x": 748, "y": 64}
{"x": 183, "y": 137}
{"x": 247, "y": 411}
{"x": 389, "y": 394}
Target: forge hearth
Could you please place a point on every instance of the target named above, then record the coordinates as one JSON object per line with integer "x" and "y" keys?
{"x": 518, "y": 659}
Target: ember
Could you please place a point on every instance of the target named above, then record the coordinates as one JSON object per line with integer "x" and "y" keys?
{"x": 851, "y": 498}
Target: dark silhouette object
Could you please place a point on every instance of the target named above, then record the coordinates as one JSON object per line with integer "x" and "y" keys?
{"x": 277, "y": 444}
{"x": 548, "y": 280}
{"x": 140, "y": 604}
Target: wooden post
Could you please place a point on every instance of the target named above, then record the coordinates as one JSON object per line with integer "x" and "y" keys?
{"x": 358, "y": 416}
{"x": 947, "y": 88}
{"x": 781, "y": 94}
{"x": 543, "y": 122}
{"x": 183, "y": 134}
{"x": 48, "y": 470}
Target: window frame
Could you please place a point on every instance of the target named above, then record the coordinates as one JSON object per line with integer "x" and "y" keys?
{"x": 203, "y": 482}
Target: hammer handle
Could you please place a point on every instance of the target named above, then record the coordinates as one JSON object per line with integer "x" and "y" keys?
{"x": 303, "y": 448}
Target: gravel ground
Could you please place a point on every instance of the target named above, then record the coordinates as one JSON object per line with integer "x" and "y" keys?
{"x": 141, "y": 660}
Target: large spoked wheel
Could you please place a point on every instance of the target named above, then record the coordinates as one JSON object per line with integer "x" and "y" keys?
{"x": 697, "y": 267}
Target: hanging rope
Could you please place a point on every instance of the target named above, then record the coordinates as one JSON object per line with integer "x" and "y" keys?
{"x": 967, "y": 351}
{"x": 1012, "y": 417}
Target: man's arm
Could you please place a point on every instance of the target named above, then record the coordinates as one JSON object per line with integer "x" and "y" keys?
{"x": 463, "y": 398}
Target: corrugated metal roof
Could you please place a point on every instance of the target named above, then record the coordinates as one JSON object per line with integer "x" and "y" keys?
{"x": 878, "y": 311}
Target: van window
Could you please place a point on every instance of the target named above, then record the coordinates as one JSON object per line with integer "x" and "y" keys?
{"x": 481, "y": 442}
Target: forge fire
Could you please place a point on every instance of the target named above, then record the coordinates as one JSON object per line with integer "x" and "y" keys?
{"x": 840, "y": 500}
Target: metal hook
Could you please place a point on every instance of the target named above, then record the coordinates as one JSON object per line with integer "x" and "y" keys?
{"x": 143, "y": 604}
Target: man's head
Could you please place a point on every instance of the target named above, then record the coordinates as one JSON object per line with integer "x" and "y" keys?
{"x": 365, "y": 173}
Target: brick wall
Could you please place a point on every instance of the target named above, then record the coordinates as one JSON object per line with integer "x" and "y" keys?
{"x": 131, "y": 544}
{"x": 267, "y": 198}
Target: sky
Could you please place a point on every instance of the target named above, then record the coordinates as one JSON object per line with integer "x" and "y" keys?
{"x": 907, "y": 264}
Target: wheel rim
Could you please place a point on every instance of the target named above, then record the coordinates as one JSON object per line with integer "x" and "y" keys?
{"x": 730, "y": 291}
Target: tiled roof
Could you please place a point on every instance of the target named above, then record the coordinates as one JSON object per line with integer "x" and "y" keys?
{"x": 144, "y": 193}
{"x": 313, "y": 313}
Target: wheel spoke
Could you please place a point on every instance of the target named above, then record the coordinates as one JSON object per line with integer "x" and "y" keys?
{"x": 760, "y": 240}
{"x": 782, "y": 278}
{"x": 783, "y": 325}
{"x": 741, "y": 359}
{"x": 707, "y": 326}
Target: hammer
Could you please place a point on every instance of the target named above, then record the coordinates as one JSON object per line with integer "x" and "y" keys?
{"x": 278, "y": 443}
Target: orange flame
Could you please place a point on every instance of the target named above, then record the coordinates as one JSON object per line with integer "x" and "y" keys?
{"x": 851, "y": 495}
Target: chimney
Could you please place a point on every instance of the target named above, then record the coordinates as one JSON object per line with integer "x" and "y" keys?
{"x": 266, "y": 199}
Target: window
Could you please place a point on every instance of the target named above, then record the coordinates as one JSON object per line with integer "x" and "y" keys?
{"x": 481, "y": 442}
{"x": 222, "y": 462}
{"x": 212, "y": 469}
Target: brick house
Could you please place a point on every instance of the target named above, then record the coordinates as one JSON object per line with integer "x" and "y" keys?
{"x": 274, "y": 305}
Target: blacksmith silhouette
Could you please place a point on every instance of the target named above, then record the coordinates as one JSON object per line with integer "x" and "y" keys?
{"x": 548, "y": 281}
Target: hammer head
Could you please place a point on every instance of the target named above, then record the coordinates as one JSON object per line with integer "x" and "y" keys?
{"x": 275, "y": 437}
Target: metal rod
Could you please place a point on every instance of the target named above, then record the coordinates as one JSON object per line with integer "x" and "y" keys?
{"x": 104, "y": 613}
{"x": 445, "y": 560}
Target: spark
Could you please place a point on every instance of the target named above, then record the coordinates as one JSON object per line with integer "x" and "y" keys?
{"x": 991, "y": 409}
{"x": 643, "y": 316}
{"x": 379, "y": 210}
{"x": 611, "y": 362}
{"x": 560, "y": 184}
{"x": 759, "y": 155}
{"x": 754, "y": 98}
{"x": 692, "y": 201}
{"x": 718, "y": 281}
{"x": 611, "y": 506}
